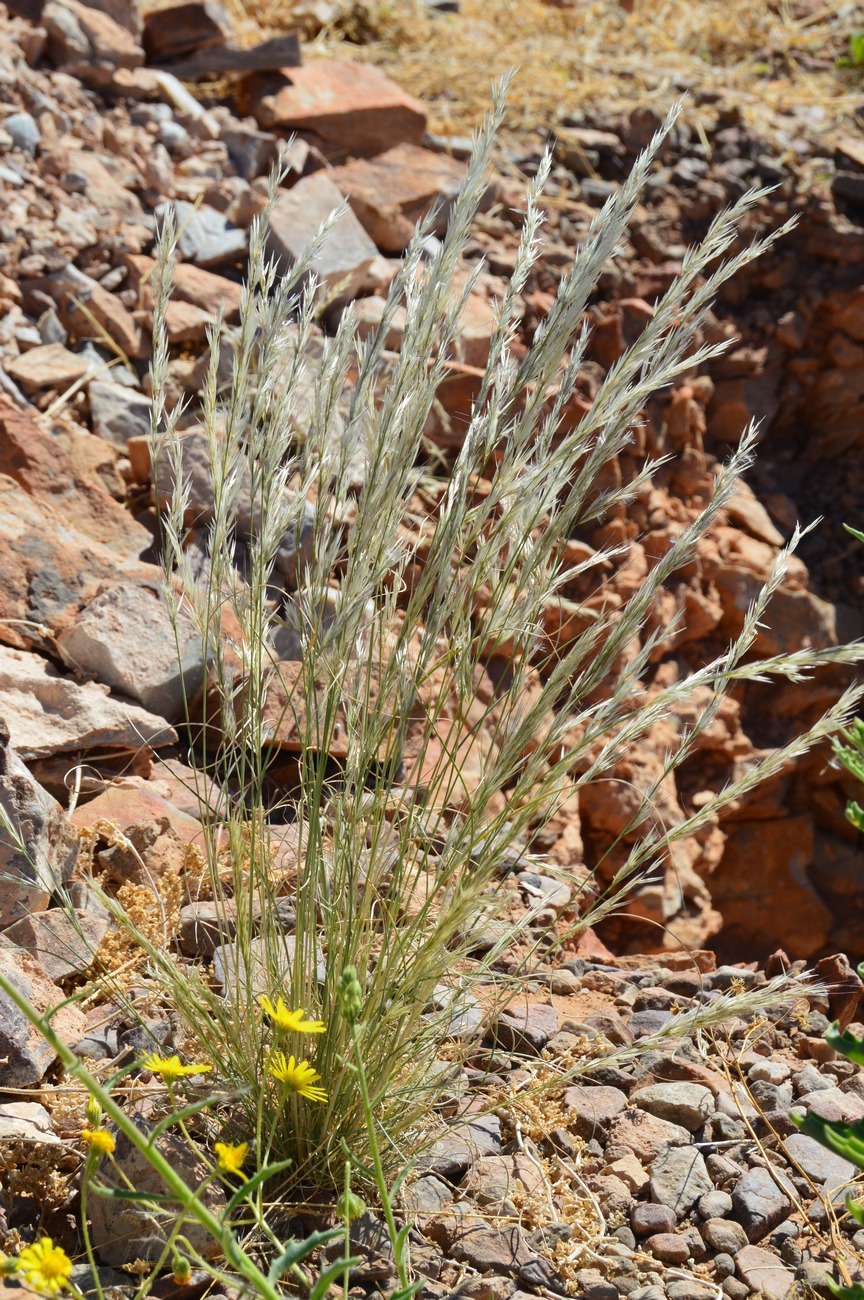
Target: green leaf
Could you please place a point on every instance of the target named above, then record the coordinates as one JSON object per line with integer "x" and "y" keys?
{"x": 255, "y": 1181}
{"x": 404, "y": 1293}
{"x": 332, "y": 1274}
{"x": 848, "y": 527}
{"x": 856, "y": 1209}
{"x": 854, "y": 1292}
{"x": 845, "y": 1043}
{"x": 855, "y": 814}
{"x": 401, "y": 1238}
{"x": 400, "y": 1179}
{"x": 299, "y": 1250}
{"x": 846, "y": 1139}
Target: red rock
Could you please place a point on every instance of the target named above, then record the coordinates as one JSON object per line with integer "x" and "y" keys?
{"x": 34, "y": 460}
{"x": 49, "y": 366}
{"x": 192, "y": 285}
{"x": 845, "y": 989}
{"x": 286, "y": 722}
{"x": 344, "y": 258}
{"x": 757, "y": 866}
{"x": 70, "y": 287}
{"x": 589, "y": 944}
{"x": 62, "y": 946}
{"x": 50, "y": 568}
{"x": 182, "y": 28}
{"x": 389, "y": 194}
{"x": 24, "y": 1053}
{"x": 345, "y": 108}
{"x": 132, "y": 802}
{"x": 87, "y": 43}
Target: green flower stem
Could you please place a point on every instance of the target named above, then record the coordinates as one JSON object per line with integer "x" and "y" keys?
{"x": 347, "y": 1252}
{"x": 187, "y": 1198}
{"x": 87, "y": 1173}
{"x": 380, "y": 1180}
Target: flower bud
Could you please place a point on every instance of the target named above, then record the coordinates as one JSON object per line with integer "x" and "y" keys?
{"x": 182, "y": 1270}
{"x": 350, "y": 995}
{"x": 350, "y": 1206}
{"x": 93, "y": 1113}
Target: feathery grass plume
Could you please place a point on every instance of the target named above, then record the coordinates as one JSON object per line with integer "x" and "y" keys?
{"x": 316, "y": 447}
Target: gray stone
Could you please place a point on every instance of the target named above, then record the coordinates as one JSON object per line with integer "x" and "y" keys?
{"x": 723, "y": 1265}
{"x": 26, "y": 1121}
{"x": 260, "y": 975}
{"x": 769, "y": 1071}
{"x": 173, "y": 136}
{"x": 39, "y": 851}
{"x": 454, "y": 1153}
{"x": 820, "y": 1164}
{"x": 771, "y": 1096}
{"x": 543, "y": 890}
{"x": 464, "y": 1012}
{"x": 646, "y": 1219}
{"x": 758, "y": 1203}
{"x": 295, "y": 546}
{"x": 593, "y": 1108}
{"x": 24, "y": 1053}
{"x": 525, "y": 1029}
{"x": 205, "y": 236}
{"x": 725, "y": 1235}
{"x": 492, "y": 1250}
{"x": 124, "y": 1230}
{"x": 679, "y": 1178}
{"x": 25, "y": 134}
{"x": 51, "y": 328}
{"x": 687, "y": 1104}
{"x": 205, "y": 925}
{"x": 817, "y": 1276}
{"x": 763, "y": 1273}
{"x": 715, "y": 1205}
{"x": 691, "y": 1289}
{"x": 810, "y": 1080}
{"x": 428, "y": 1195}
{"x": 65, "y": 942}
{"x": 343, "y": 260}
{"x": 118, "y": 413}
{"x": 124, "y": 638}
{"x": 644, "y": 1023}
{"x": 252, "y": 152}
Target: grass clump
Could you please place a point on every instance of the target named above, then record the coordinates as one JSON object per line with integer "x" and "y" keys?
{"x": 405, "y": 794}
{"x": 403, "y": 791}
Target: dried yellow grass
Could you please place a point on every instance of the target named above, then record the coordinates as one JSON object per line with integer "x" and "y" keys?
{"x": 596, "y": 55}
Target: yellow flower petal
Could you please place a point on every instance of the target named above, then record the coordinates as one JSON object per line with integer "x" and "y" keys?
{"x": 170, "y": 1068}
{"x": 290, "y": 1021}
{"x": 298, "y": 1076}
{"x": 99, "y": 1139}
{"x": 231, "y": 1158}
{"x": 45, "y": 1267}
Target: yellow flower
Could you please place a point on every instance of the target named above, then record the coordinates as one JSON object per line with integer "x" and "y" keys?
{"x": 289, "y": 1021}
{"x": 99, "y": 1139}
{"x": 296, "y": 1075}
{"x": 231, "y": 1158}
{"x": 170, "y": 1068}
{"x": 46, "y": 1267}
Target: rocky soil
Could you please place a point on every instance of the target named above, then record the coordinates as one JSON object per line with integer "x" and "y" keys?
{"x": 671, "y": 1170}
